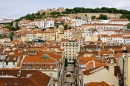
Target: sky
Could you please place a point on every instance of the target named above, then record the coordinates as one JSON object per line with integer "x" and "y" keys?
{"x": 18, "y": 8}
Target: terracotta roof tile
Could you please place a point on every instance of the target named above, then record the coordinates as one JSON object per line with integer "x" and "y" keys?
{"x": 97, "y": 84}
{"x": 106, "y": 52}
{"x": 23, "y": 79}
{"x": 38, "y": 59}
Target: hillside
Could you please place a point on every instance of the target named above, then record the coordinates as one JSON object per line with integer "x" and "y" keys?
{"x": 77, "y": 10}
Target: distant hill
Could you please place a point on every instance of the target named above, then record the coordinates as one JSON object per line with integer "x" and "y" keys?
{"x": 77, "y": 10}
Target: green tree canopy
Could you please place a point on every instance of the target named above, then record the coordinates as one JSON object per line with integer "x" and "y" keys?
{"x": 11, "y": 35}
{"x": 17, "y": 27}
{"x": 103, "y": 17}
{"x": 125, "y": 13}
{"x": 66, "y": 27}
{"x": 55, "y": 13}
{"x": 29, "y": 17}
{"x": 93, "y": 17}
{"x": 128, "y": 25}
{"x": 11, "y": 28}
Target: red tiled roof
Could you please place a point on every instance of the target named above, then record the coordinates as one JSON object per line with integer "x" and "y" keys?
{"x": 97, "y": 84}
{"x": 106, "y": 52}
{"x": 84, "y": 60}
{"x": 36, "y": 78}
{"x": 38, "y": 59}
{"x": 97, "y": 64}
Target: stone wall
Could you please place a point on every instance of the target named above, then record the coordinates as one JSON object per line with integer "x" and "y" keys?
{"x": 111, "y": 15}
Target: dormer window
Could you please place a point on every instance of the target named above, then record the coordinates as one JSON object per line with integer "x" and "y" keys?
{"x": 18, "y": 73}
{"x": 45, "y": 56}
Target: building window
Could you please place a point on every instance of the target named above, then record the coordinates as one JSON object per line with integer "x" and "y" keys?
{"x": 23, "y": 65}
{"x": 6, "y": 63}
{"x": 30, "y": 65}
{"x": 13, "y": 63}
{"x": 51, "y": 66}
{"x": 44, "y": 66}
{"x": 37, "y": 66}
{"x": 51, "y": 74}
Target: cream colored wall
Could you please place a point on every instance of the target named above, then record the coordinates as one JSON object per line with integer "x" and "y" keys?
{"x": 48, "y": 36}
{"x": 5, "y": 39}
{"x": 101, "y": 75}
{"x": 23, "y": 38}
{"x": 127, "y": 72}
{"x": 47, "y": 72}
{"x": 111, "y": 69}
{"x": 91, "y": 38}
{"x": 111, "y": 15}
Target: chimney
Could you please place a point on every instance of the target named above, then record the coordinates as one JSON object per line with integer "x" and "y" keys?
{"x": 18, "y": 73}
{"x": 112, "y": 61}
{"x": 3, "y": 56}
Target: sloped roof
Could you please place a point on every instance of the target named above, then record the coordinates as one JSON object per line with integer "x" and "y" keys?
{"x": 97, "y": 84}
{"x": 38, "y": 59}
{"x": 36, "y": 78}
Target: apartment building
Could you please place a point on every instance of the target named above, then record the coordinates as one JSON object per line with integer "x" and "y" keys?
{"x": 77, "y": 22}
{"x": 47, "y": 62}
{"x": 32, "y": 36}
{"x": 110, "y": 21}
{"x": 10, "y": 57}
{"x": 71, "y": 48}
{"x": 89, "y": 34}
{"x": 102, "y": 72}
{"x": 124, "y": 63}
{"x": 127, "y": 71}
{"x": 119, "y": 21}
{"x": 43, "y": 23}
{"x": 6, "y": 20}
{"x": 23, "y": 23}
{"x": 68, "y": 34}
{"x": 113, "y": 37}
{"x": 110, "y": 26}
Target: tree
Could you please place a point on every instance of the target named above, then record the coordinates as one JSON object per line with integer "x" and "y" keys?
{"x": 43, "y": 14}
{"x": 1, "y": 37}
{"x": 11, "y": 28}
{"x": 93, "y": 17}
{"x": 86, "y": 15}
{"x": 17, "y": 27}
{"x": 11, "y": 35}
{"x": 128, "y": 25}
{"x": 66, "y": 27}
{"x": 55, "y": 13}
{"x": 29, "y": 17}
{"x": 103, "y": 17}
{"x": 123, "y": 16}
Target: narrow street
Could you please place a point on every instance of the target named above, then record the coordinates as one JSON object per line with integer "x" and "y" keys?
{"x": 69, "y": 76}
